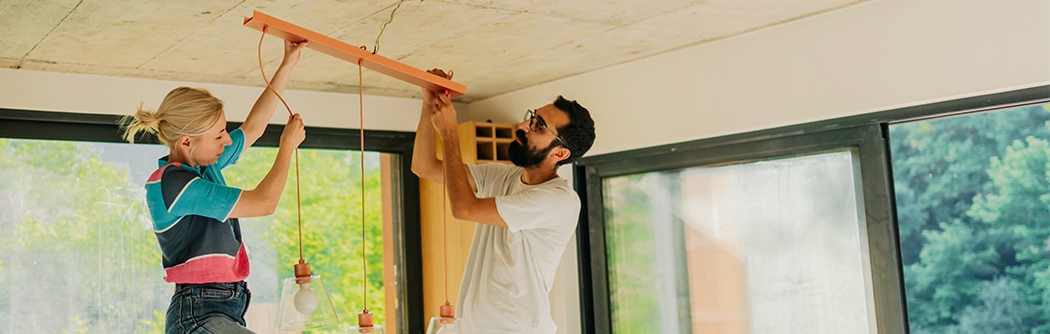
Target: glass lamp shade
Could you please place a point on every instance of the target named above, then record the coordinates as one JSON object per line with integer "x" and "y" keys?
{"x": 445, "y": 322}
{"x": 305, "y": 305}
{"x": 375, "y": 329}
{"x": 365, "y": 324}
{"x": 440, "y": 325}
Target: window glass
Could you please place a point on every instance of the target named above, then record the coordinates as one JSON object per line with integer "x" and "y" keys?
{"x": 973, "y": 210}
{"x": 78, "y": 255}
{"x": 767, "y": 247}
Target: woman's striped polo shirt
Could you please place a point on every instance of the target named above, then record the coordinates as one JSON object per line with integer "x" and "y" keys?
{"x": 190, "y": 207}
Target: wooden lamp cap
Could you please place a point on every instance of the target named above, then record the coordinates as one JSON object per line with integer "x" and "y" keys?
{"x": 365, "y": 319}
{"x": 447, "y": 311}
{"x": 302, "y": 272}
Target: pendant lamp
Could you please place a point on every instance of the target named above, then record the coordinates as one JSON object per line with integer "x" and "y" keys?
{"x": 366, "y": 324}
{"x": 365, "y": 321}
{"x": 305, "y": 303}
{"x": 445, "y": 322}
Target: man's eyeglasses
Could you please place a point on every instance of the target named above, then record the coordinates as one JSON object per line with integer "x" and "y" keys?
{"x": 536, "y": 124}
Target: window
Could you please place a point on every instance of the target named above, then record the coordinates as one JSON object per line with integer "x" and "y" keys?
{"x": 75, "y": 239}
{"x": 763, "y": 247}
{"x": 818, "y": 228}
{"x": 973, "y": 204}
{"x": 331, "y": 213}
{"x": 77, "y": 252}
{"x": 780, "y": 234}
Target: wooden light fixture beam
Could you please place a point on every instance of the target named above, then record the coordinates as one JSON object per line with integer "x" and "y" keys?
{"x": 353, "y": 54}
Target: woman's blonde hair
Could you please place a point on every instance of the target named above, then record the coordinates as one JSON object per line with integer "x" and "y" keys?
{"x": 185, "y": 111}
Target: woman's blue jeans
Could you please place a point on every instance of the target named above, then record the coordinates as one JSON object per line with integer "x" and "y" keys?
{"x": 208, "y": 308}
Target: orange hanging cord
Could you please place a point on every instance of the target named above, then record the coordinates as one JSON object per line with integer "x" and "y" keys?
{"x": 447, "y": 310}
{"x": 361, "y": 123}
{"x": 364, "y": 319}
{"x": 444, "y": 232}
{"x": 444, "y": 215}
{"x": 298, "y": 199}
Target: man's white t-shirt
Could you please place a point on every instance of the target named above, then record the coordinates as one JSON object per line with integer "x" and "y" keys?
{"x": 510, "y": 270}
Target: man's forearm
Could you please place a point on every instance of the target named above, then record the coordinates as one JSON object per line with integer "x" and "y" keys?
{"x": 424, "y": 153}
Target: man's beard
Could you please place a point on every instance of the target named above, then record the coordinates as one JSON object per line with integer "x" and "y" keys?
{"x": 525, "y": 157}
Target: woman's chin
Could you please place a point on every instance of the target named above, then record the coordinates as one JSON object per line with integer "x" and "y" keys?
{"x": 208, "y": 162}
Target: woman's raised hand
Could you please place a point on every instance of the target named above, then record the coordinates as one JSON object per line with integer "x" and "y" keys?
{"x": 294, "y": 132}
{"x": 292, "y": 51}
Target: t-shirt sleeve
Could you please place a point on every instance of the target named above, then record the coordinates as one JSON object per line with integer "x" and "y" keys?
{"x": 185, "y": 194}
{"x": 233, "y": 151}
{"x": 539, "y": 208}
{"x": 480, "y": 173}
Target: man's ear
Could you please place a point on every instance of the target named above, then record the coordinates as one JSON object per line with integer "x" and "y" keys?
{"x": 561, "y": 153}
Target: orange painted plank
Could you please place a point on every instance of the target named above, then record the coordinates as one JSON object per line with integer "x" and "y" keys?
{"x": 351, "y": 53}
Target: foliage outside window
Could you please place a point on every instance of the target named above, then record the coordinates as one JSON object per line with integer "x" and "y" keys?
{"x": 77, "y": 253}
{"x": 973, "y": 205}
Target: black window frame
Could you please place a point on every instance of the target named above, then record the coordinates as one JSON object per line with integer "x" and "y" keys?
{"x": 69, "y": 126}
{"x": 867, "y": 134}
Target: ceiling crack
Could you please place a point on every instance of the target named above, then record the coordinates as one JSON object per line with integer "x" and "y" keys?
{"x": 189, "y": 35}
{"x": 22, "y": 61}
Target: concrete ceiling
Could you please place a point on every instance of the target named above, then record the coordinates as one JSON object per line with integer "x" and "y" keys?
{"x": 494, "y": 46}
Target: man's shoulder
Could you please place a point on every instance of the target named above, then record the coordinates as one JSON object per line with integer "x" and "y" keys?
{"x": 498, "y": 166}
{"x": 494, "y": 170}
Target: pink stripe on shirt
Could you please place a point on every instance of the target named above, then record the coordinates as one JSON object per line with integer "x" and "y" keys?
{"x": 211, "y": 269}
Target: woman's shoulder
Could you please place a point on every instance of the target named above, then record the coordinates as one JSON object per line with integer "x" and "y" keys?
{"x": 172, "y": 172}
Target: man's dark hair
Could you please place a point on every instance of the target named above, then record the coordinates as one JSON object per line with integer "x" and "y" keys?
{"x": 579, "y": 133}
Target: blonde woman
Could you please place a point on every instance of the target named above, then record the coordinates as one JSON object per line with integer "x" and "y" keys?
{"x": 195, "y": 213}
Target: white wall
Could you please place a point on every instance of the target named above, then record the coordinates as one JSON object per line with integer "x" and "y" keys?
{"x": 864, "y": 58}
{"x": 876, "y": 56}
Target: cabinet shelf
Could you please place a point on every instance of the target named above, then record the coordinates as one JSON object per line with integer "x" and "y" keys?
{"x": 491, "y": 140}
{"x": 482, "y": 142}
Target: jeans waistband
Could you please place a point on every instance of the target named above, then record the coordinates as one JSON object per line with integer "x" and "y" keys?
{"x": 230, "y": 285}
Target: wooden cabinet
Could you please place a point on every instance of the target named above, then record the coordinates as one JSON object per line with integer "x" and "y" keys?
{"x": 479, "y": 143}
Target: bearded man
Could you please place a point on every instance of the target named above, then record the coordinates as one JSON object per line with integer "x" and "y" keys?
{"x": 525, "y": 213}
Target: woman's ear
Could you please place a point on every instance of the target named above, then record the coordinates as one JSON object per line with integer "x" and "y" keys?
{"x": 184, "y": 142}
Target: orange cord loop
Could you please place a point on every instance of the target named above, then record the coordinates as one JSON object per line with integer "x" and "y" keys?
{"x": 298, "y": 198}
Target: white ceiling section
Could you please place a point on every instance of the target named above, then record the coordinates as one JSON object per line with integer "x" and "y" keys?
{"x": 493, "y": 46}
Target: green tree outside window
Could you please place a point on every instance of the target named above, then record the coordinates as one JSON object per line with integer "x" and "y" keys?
{"x": 77, "y": 254}
{"x": 973, "y": 204}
